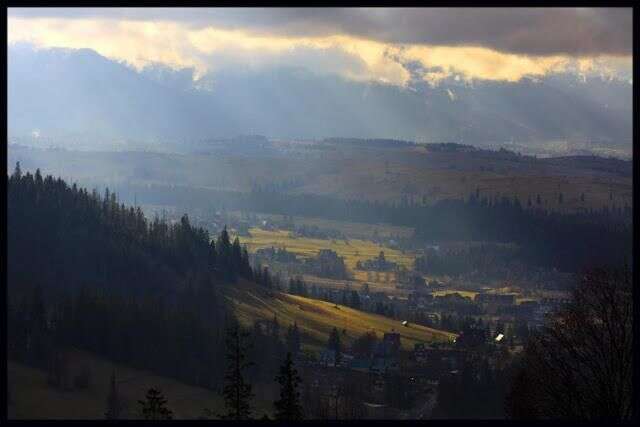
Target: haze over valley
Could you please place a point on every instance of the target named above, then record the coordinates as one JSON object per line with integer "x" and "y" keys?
{"x": 290, "y": 214}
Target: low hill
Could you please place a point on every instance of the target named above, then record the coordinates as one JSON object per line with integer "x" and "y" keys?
{"x": 30, "y": 397}
{"x": 317, "y": 318}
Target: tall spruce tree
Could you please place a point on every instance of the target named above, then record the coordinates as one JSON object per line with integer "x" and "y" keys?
{"x": 236, "y": 256}
{"x": 237, "y": 392}
{"x": 245, "y": 265}
{"x": 275, "y": 327}
{"x": 288, "y": 407}
{"x": 293, "y": 339}
{"x": 113, "y": 401}
{"x": 17, "y": 172}
{"x": 334, "y": 344}
{"x": 154, "y": 406}
{"x": 223, "y": 252}
{"x": 266, "y": 278}
{"x": 212, "y": 254}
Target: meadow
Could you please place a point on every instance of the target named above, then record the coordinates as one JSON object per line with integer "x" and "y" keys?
{"x": 316, "y": 318}
{"x": 353, "y": 250}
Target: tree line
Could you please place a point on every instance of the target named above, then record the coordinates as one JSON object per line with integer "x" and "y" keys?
{"x": 550, "y": 239}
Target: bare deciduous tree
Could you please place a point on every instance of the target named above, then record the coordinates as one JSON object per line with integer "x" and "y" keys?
{"x": 579, "y": 366}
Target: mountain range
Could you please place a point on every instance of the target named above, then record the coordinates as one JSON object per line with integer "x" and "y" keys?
{"x": 63, "y": 95}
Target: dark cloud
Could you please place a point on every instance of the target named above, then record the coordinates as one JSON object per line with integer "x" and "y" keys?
{"x": 531, "y": 31}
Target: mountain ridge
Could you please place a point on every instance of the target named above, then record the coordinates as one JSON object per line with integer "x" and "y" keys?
{"x": 80, "y": 94}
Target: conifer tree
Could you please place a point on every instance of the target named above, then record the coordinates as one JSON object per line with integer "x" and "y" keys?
{"x": 223, "y": 252}
{"x": 266, "y": 278}
{"x": 237, "y": 392}
{"x": 154, "y": 406}
{"x": 245, "y": 265}
{"x": 355, "y": 300}
{"x": 275, "y": 327}
{"x": 17, "y": 172}
{"x": 288, "y": 407}
{"x": 113, "y": 401}
{"x": 212, "y": 254}
{"x": 293, "y": 339}
{"x": 334, "y": 344}
{"x": 236, "y": 257}
{"x": 257, "y": 275}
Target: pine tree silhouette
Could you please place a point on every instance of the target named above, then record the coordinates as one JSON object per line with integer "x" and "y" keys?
{"x": 288, "y": 407}
{"x": 237, "y": 392}
{"x": 154, "y": 406}
{"x": 113, "y": 401}
{"x": 293, "y": 339}
{"x": 334, "y": 344}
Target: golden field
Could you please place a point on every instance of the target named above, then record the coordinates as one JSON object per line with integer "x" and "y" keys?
{"x": 353, "y": 250}
{"x": 317, "y": 318}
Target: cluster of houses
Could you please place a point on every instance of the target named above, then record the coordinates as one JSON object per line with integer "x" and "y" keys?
{"x": 388, "y": 370}
{"x": 421, "y": 304}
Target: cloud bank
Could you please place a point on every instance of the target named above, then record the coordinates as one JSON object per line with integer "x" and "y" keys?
{"x": 382, "y": 45}
{"x": 526, "y": 31}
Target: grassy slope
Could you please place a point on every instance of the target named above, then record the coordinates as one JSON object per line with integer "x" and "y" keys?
{"x": 32, "y": 398}
{"x": 316, "y": 318}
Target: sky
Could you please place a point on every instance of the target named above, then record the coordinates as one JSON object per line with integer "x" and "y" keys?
{"x": 387, "y": 45}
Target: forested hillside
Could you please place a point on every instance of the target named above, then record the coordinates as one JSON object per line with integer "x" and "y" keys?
{"x": 549, "y": 239}
{"x": 87, "y": 272}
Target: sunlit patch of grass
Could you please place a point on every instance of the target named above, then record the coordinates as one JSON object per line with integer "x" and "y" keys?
{"x": 316, "y": 318}
{"x": 352, "y": 250}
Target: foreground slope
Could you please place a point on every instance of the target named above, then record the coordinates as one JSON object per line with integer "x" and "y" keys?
{"x": 30, "y": 397}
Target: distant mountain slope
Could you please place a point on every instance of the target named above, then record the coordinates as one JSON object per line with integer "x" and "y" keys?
{"x": 78, "y": 94}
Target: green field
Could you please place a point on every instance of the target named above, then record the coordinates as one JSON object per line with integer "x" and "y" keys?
{"x": 317, "y": 318}
{"x": 32, "y": 398}
{"x": 352, "y": 250}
